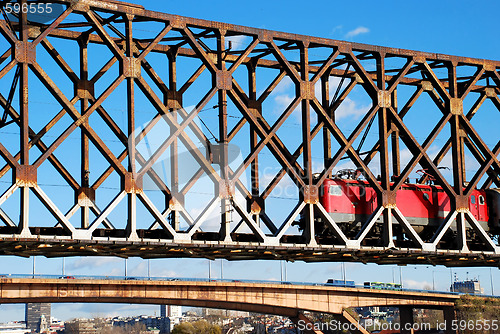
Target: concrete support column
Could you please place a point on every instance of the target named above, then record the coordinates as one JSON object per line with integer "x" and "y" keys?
{"x": 449, "y": 316}
{"x": 405, "y": 318}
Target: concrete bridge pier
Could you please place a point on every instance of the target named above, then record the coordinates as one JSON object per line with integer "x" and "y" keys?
{"x": 406, "y": 317}
{"x": 449, "y": 316}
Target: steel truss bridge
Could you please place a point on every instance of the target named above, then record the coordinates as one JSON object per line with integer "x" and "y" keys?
{"x": 76, "y": 179}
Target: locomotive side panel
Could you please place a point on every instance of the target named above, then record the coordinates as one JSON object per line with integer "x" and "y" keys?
{"x": 493, "y": 202}
{"x": 478, "y": 206}
{"x": 423, "y": 204}
{"x": 348, "y": 201}
{"x": 416, "y": 203}
{"x": 444, "y": 205}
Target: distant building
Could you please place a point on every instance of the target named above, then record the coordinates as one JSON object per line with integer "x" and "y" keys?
{"x": 152, "y": 324}
{"x": 13, "y": 328}
{"x": 34, "y": 314}
{"x": 170, "y": 315}
{"x": 56, "y": 325}
{"x": 171, "y": 311}
{"x": 80, "y": 326}
{"x": 469, "y": 286}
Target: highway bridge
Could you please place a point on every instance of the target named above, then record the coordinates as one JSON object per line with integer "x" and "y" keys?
{"x": 283, "y": 298}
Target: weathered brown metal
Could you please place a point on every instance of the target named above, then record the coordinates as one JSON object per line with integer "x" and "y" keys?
{"x": 305, "y": 63}
{"x": 280, "y": 299}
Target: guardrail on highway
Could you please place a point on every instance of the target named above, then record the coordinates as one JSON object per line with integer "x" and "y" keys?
{"x": 142, "y": 278}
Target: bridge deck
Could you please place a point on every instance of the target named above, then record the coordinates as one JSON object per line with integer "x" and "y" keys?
{"x": 281, "y": 299}
{"x": 150, "y": 249}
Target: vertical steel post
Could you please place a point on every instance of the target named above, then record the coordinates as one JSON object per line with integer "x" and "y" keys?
{"x": 174, "y": 148}
{"x": 131, "y": 196}
{"x": 225, "y": 195}
{"x": 304, "y": 91}
{"x": 84, "y": 141}
{"x": 325, "y": 99}
{"x": 386, "y": 199}
{"x": 306, "y": 112}
{"x": 23, "y": 107}
{"x": 254, "y": 138}
{"x": 396, "y": 156}
{"x": 460, "y": 201}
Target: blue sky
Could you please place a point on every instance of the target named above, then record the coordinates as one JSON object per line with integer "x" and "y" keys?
{"x": 451, "y": 27}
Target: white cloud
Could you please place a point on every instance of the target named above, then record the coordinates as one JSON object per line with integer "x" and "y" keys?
{"x": 283, "y": 94}
{"x": 140, "y": 270}
{"x": 283, "y": 101}
{"x": 351, "y": 109}
{"x": 284, "y": 85}
{"x": 285, "y": 188}
{"x": 419, "y": 285}
{"x": 92, "y": 262}
{"x": 358, "y": 31}
{"x": 336, "y": 29}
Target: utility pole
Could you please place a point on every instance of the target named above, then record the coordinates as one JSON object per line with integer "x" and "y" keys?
{"x": 281, "y": 271}
{"x": 149, "y": 269}
{"x": 451, "y": 281}
{"x": 401, "y": 276}
{"x": 491, "y": 281}
{"x": 286, "y": 273}
{"x": 343, "y": 273}
{"x": 221, "y": 269}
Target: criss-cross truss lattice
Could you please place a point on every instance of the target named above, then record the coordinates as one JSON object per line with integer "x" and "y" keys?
{"x": 154, "y": 135}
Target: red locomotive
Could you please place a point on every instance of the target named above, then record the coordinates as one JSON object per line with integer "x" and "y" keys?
{"x": 350, "y": 202}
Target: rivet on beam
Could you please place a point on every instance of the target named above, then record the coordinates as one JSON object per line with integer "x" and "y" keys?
{"x": 24, "y": 52}
{"x": 384, "y": 99}
{"x": 456, "y": 106}
{"x": 224, "y": 80}
{"x": 26, "y": 176}
{"x": 131, "y": 67}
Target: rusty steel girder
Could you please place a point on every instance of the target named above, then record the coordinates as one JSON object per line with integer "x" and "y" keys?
{"x": 94, "y": 83}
